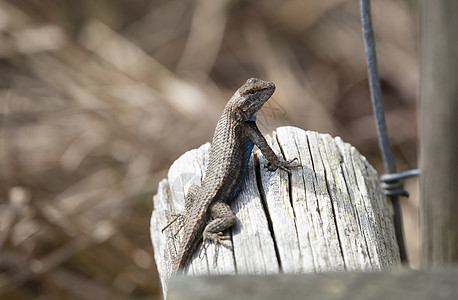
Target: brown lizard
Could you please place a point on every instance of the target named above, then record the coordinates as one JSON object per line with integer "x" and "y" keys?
{"x": 207, "y": 211}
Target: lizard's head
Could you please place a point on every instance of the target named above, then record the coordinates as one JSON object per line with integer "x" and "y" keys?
{"x": 250, "y": 97}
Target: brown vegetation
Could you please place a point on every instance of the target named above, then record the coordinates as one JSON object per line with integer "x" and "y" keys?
{"x": 98, "y": 98}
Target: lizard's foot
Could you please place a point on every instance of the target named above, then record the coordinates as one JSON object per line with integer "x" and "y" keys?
{"x": 218, "y": 239}
{"x": 177, "y": 217}
{"x": 284, "y": 165}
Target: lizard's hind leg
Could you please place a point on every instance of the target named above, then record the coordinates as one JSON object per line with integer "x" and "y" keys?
{"x": 222, "y": 218}
{"x": 181, "y": 218}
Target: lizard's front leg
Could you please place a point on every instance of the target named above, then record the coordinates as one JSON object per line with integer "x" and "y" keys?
{"x": 258, "y": 139}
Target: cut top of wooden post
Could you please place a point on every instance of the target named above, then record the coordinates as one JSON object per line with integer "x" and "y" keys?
{"x": 329, "y": 215}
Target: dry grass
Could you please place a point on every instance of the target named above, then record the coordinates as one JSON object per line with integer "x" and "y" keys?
{"x": 97, "y": 98}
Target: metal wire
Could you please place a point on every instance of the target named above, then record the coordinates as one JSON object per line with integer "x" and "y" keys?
{"x": 393, "y": 185}
{"x": 392, "y": 181}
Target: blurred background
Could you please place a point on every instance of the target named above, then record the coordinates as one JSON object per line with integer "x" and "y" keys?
{"x": 98, "y": 98}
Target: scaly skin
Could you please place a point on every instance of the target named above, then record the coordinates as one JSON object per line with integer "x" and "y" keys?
{"x": 207, "y": 211}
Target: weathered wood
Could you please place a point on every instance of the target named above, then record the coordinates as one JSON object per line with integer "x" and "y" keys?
{"x": 329, "y": 215}
{"x": 439, "y": 133}
{"x": 399, "y": 284}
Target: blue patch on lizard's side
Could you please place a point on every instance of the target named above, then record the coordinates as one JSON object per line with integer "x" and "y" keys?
{"x": 246, "y": 159}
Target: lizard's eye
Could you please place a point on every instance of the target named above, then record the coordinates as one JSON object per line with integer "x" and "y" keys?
{"x": 253, "y": 91}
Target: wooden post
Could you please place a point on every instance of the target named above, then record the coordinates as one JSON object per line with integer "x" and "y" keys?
{"x": 329, "y": 215}
{"x": 390, "y": 285}
{"x": 439, "y": 133}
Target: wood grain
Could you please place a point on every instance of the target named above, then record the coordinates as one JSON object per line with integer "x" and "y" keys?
{"x": 329, "y": 215}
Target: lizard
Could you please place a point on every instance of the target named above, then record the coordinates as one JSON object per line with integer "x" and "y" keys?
{"x": 207, "y": 211}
